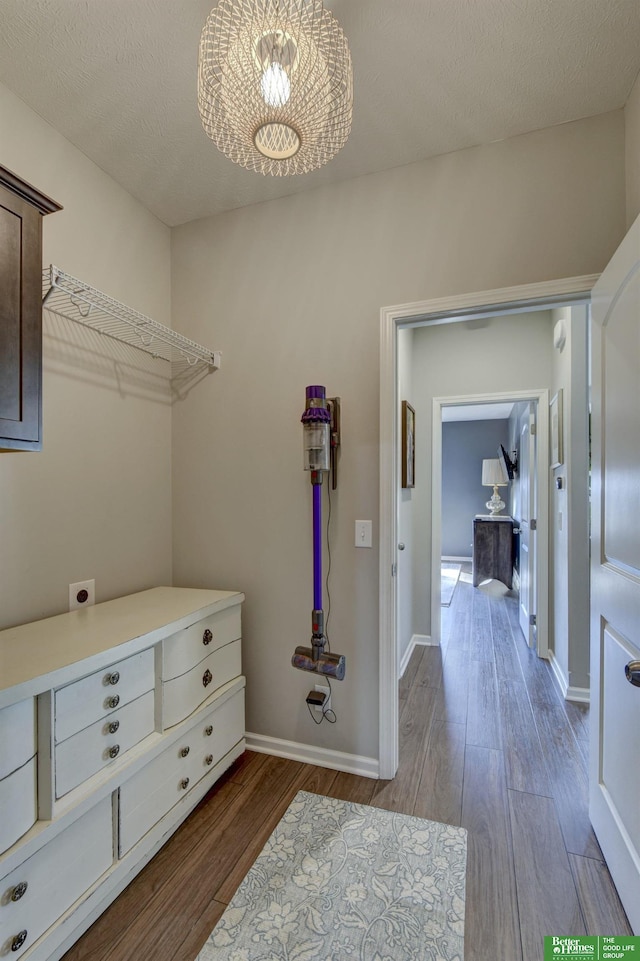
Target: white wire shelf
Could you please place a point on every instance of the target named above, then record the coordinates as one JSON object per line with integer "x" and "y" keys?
{"x": 71, "y": 298}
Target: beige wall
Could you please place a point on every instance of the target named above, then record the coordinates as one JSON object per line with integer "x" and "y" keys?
{"x": 96, "y": 502}
{"x": 632, "y": 150}
{"x": 291, "y": 292}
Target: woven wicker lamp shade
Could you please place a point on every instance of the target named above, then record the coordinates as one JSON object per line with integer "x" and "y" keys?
{"x": 275, "y": 88}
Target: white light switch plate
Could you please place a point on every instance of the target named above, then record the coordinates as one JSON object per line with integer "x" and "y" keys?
{"x": 364, "y": 534}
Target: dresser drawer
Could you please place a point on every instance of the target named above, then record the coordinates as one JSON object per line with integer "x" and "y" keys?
{"x": 35, "y": 895}
{"x": 184, "y": 650}
{"x": 101, "y": 743}
{"x": 17, "y": 735}
{"x": 182, "y": 695}
{"x": 82, "y": 703}
{"x": 18, "y": 804}
{"x": 213, "y": 737}
{"x": 149, "y": 794}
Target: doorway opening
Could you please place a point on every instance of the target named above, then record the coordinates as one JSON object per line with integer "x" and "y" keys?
{"x": 455, "y": 311}
{"x": 496, "y": 549}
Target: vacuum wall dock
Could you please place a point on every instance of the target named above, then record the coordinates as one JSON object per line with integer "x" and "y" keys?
{"x": 317, "y": 445}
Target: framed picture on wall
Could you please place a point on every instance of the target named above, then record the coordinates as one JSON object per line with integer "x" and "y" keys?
{"x": 555, "y": 429}
{"x": 408, "y": 445}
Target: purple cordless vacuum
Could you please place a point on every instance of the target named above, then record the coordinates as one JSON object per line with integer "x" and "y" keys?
{"x": 316, "y": 422}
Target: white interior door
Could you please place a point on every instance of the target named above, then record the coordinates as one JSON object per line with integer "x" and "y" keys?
{"x": 527, "y": 550}
{"x": 615, "y": 570}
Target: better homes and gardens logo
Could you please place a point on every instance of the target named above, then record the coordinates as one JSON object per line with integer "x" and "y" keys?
{"x": 570, "y": 947}
{"x": 595, "y": 949}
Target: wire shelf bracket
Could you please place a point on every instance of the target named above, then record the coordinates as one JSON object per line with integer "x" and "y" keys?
{"x": 71, "y": 298}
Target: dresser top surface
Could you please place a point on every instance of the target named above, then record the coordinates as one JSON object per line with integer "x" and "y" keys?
{"x": 493, "y": 517}
{"x": 51, "y": 648}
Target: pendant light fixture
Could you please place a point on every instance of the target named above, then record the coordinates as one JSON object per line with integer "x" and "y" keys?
{"x": 275, "y": 88}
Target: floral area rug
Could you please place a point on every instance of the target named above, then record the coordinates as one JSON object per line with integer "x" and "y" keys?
{"x": 347, "y": 881}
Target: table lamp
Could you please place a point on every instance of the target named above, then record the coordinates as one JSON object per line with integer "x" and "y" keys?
{"x": 493, "y": 476}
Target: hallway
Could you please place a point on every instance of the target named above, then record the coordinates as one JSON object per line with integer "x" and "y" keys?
{"x": 488, "y": 743}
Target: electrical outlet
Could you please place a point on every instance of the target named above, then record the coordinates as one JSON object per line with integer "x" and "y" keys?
{"x": 326, "y": 690}
{"x": 82, "y": 594}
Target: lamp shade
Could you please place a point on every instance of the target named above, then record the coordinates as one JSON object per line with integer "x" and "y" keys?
{"x": 275, "y": 88}
{"x": 493, "y": 474}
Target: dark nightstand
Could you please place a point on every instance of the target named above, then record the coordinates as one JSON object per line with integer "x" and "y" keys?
{"x": 492, "y": 549}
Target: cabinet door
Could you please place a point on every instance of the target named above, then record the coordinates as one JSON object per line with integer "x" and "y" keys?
{"x": 21, "y": 209}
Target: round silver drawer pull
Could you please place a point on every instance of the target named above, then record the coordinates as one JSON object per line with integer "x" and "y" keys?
{"x": 207, "y": 637}
{"x": 632, "y": 673}
{"x": 208, "y": 759}
{"x": 113, "y": 727}
{"x": 114, "y": 751}
{"x": 19, "y": 940}
{"x": 19, "y": 891}
{"x": 185, "y": 751}
{"x": 113, "y": 701}
{"x": 184, "y": 783}
{"x": 207, "y": 678}
{"x": 208, "y": 730}
{"x": 113, "y": 678}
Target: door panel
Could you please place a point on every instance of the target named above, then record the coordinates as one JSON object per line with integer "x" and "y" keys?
{"x": 619, "y": 711}
{"x": 621, "y": 432}
{"x": 615, "y": 569}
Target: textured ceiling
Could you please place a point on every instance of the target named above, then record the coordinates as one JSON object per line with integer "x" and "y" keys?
{"x": 118, "y": 79}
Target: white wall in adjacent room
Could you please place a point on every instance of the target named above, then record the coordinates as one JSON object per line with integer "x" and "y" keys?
{"x": 492, "y": 356}
{"x": 569, "y": 506}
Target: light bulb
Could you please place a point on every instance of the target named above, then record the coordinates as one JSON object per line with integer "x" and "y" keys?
{"x": 276, "y": 88}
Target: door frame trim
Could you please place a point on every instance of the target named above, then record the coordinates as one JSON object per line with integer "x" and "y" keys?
{"x": 547, "y": 294}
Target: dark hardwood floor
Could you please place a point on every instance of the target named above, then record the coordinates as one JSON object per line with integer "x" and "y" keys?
{"x": 486, "y": 743}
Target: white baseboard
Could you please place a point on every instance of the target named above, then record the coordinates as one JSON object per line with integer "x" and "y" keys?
{"x": 423, "y": 640}
{"x": 580, "y": 694}
{"x": 558, "y": 674}
{"x": 568, "y": 692}
{"x": 457, "y": 560}
{"x": 310, "y": 754}
{"x": 417, "y": 640}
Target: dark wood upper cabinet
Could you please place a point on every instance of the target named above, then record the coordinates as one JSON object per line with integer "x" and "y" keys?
{"x": 21, "y": 210}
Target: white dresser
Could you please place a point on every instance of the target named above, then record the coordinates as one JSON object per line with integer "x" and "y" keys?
{"x": 114, "y": 723}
